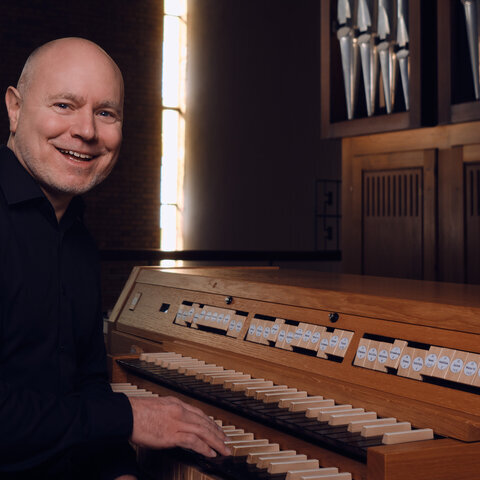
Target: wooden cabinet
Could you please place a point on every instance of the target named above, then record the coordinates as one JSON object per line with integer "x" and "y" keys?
{"x": 467, "y": 159}
{"x": 411, "y": 178}
{"x": 398, "y": 213}
{"x": 411, "y": 203}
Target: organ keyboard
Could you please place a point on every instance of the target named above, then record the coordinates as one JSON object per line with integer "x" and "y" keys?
{"x": 376, "y": 378}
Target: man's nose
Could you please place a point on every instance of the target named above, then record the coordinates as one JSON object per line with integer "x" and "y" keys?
{"x": 84, "y": 126}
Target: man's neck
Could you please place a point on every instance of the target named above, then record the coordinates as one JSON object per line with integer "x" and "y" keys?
{"x": 59, "y": 201}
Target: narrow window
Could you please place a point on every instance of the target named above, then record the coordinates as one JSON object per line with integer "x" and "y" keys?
{"x": 173, "y": 124}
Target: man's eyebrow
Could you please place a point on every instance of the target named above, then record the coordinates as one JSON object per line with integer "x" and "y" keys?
{"x": 66, "y": 96}
{"x": 111, "y": 104}
{"x": 78, "y": 99}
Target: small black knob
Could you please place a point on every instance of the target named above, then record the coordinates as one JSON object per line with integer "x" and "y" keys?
{"x": 228, "y": 300}
{"x": 333, "y": 317}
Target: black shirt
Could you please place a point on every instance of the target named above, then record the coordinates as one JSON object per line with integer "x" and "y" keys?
{"x": 54, "y": 393}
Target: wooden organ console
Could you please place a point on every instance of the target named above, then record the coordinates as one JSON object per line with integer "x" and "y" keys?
{"x": 313, "y": 375}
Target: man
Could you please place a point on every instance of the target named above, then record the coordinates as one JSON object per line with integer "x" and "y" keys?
{"x": 58, "y": 415}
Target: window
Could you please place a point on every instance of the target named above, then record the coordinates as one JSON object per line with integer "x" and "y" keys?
{"x": 173, "y": 123}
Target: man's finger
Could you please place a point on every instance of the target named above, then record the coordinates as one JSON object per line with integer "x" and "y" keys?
{"x": 204, "y": 421}
{"x": 212, "y": 437}
{"x": 195, "y": 443}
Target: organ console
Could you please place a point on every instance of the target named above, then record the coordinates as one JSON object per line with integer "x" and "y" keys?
{"x": 312, "y": 375}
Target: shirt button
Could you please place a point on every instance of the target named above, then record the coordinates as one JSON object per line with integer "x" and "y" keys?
{"x": 62, "y": 348}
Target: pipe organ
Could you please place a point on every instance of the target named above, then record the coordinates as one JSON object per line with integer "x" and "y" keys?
{"x": 311, "y": 375}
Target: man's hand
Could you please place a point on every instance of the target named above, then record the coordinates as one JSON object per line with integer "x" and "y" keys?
{"x": 164, "y": 422}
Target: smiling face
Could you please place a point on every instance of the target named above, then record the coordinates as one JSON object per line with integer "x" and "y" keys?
{"x": 66, "y": 118}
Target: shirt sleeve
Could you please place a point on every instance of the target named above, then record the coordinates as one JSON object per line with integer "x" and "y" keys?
{"x": 117, "y": 457}
{"x": 37, "y": 426}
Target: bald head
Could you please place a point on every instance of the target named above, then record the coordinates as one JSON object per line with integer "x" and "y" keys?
{"x": 66, "y": 117}
{"x": 54, "y": 48}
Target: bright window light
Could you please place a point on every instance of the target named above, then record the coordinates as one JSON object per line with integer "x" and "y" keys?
{"x": 168, "y": 220}
{"x": 173, "y": 124}
{"x": 178, "y": 8}
{"x": 171, "y": 263}
{"x": 169, "y": 173}
{"x": 171, "y": 62}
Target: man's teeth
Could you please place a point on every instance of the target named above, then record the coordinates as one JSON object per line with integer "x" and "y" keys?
{"x": 77, "y": 155}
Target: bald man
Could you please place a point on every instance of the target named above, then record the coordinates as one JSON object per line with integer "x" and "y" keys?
{"x": 58, "y": 415}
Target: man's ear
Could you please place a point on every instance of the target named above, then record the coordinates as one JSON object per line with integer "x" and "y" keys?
{"x": 13, "y": 100}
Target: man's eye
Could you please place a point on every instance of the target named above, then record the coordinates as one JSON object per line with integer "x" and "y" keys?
{"x": 63, "y": 106}
{"x": 108, "y": 116}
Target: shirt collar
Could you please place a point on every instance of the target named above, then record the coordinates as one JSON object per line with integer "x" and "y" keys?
{"x": 19, "y": 186}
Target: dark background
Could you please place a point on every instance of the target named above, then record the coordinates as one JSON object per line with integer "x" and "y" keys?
{"x": 254, "y": 153}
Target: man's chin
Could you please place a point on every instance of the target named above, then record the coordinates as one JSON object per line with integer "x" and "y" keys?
{"x": 72, "y": 189}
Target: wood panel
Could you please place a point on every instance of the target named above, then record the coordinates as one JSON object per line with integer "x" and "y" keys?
{"x": 450, "y": 237}
{"x": 442, "y": 305}
{"x": 166, "y": 465}
{"x": 450, "y": 220}
{"x": 472, "y": 221}
{"x": 440, "y": 460}
{"x": 392, "y": 220}
{"x": 395, "y": 198}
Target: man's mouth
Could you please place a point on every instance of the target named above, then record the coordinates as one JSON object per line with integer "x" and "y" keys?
{"x": 77, "y": 155}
